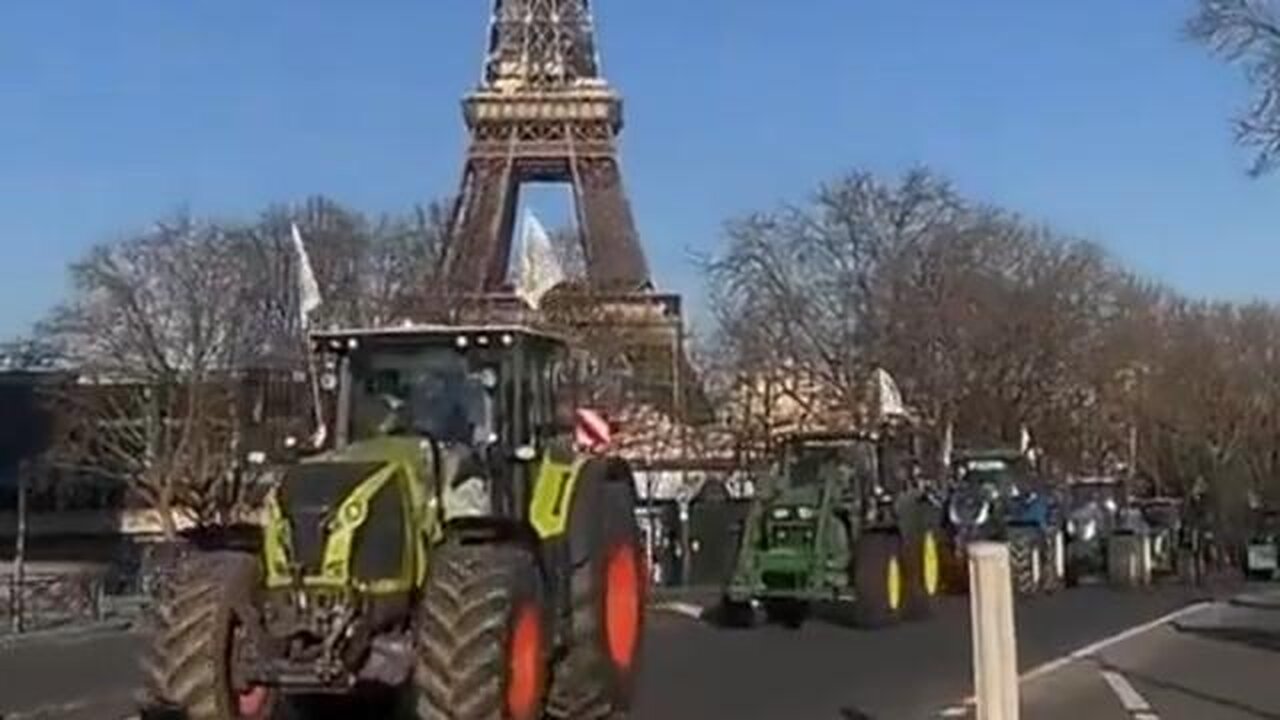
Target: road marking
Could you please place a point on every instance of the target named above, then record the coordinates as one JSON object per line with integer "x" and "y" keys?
{"x": 1096, "y": 647}
{"x": 1130, "y": 698}
{"x": 678, "y": 607}
{"x": 1086, "y": 651}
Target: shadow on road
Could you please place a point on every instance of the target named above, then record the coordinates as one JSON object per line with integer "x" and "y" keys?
{"x": 1201, "y": 695}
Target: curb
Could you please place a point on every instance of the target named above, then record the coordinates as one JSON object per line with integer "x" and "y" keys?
{"x": 8, "y": 641}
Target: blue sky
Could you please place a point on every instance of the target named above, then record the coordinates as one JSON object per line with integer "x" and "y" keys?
{"x": 1091, "y": 115}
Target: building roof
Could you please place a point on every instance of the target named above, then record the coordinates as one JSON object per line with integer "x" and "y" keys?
{"x": 407, "y": 330}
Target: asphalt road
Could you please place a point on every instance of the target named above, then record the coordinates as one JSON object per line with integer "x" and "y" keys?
{"x": 695, "y": 670}
{"x": 1217, "y": 663}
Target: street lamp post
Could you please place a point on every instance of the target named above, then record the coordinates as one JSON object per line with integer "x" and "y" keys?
{"x": 16, "y": 595}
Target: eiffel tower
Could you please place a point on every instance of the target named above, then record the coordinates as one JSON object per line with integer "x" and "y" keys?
{"x": 543, "y": 113}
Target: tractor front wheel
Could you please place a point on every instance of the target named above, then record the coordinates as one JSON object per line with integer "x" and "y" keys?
{"x": 481, "y": 635}
{"x": 922, "y": 571}
{"x": 198, "y": 629}
{"x": 878, "y": 580}
{"x": 596, "y": 677}
{"x": 786, "y": 612}
{"x": 1026, "y": 560}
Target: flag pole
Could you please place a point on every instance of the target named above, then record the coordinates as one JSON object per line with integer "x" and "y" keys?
{"x": 308, "y": 301}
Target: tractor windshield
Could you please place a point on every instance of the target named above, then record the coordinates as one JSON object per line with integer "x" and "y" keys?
{"x": 430, "y": 391}
{"x": 814, "y": 464}
{"x": 998, "y": 473}
{"x": 1104, "y": 494}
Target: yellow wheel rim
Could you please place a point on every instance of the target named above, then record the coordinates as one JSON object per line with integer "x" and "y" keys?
{"x": 931, "y": 566}
{"x": 895, "y": 584}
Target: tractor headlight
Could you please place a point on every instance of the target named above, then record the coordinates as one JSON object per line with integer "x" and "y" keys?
{"x": 780, "y": 513}
{"x": 806, "y": 513}
{"x": 1084, "y": 531}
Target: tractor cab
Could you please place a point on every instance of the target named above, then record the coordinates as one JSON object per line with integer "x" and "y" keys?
{"x": 490, "y": 386}
{"x": 470, "y": 406}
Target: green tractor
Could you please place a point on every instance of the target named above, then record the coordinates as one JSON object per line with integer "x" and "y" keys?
{"x": 448, "y": 548}
{"x": 836, "y": 520}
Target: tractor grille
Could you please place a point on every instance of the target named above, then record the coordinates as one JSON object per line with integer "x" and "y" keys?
{"x": 312, "y": 492}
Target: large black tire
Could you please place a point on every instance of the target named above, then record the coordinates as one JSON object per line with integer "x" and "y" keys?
{"x": 1125, "y": 560}
{"x": 1026, "y": 560}
{"x": 734, "y": 614}
{"x": 195, "y": 623}
{"x": 596, "y": 676}
{"x": 955, "y": 567}
{"x": 877, "y": 579}
{"x": 481, "y": 635}
{"x": 921, "y": 570}
{"x": 1055, "y": 566}
{"x": 789, "y": 613}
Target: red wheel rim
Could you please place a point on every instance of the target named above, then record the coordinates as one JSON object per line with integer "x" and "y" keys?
{"x": 252, "y": 702}
{"x": 622, "y": 605}
{"x": 525, "y": 664}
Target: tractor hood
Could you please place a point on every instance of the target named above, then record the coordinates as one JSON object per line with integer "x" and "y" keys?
{"x": 344, "y": 515}
{"x": 408, "y": 450}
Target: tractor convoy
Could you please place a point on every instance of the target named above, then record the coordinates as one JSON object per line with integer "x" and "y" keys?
{"x": 847, "y": 519}
{"x": 448, "y": 545}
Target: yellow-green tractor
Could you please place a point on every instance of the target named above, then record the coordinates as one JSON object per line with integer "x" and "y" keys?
{"x": 448, "y": 548}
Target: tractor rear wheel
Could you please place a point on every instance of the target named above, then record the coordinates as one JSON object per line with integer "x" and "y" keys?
{"x": 596, "y": 677}
{"x": 786, "y": 612}
{"x": 198, "y": 626}
{"x": 921, "y": 570}
{"x": 1126, "y": 559}
{"x": 1055, "y": 566}
{"x": 878, "y": 581}
{"x": 481, "y": 635}
{"x": 1026, "y": 560}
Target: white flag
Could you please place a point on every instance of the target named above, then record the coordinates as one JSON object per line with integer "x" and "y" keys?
{"x": 539, "y": 269}
{"x": 948, "y": 445}
{"x": 890, "y": 398}
{"x": 308, "y": 288}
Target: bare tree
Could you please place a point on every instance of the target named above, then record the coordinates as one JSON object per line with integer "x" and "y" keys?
{"x": 155, "y": 329}
{"x": 1247, "y": 32}
{"x": 993, "y": 323}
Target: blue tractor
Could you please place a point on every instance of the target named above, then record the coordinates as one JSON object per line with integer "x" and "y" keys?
{"x": 999, "y": 495}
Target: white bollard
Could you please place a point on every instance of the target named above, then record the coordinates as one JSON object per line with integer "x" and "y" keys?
{"x": 995, "y": 650}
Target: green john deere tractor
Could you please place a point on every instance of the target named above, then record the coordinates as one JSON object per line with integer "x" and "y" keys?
{"x": 836, "y": 519}
{"x": 448, "y": 547}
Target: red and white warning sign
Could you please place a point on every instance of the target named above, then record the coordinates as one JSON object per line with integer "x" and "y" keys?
{"x": 591, "y": 431}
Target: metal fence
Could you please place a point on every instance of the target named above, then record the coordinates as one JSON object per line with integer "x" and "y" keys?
{"x": 121, "y": 591}
{"x": 42, "y": 600}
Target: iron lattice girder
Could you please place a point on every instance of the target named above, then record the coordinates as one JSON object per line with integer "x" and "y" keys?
{"x": 543, "y": 114}
{"x": 540, "y": 44}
